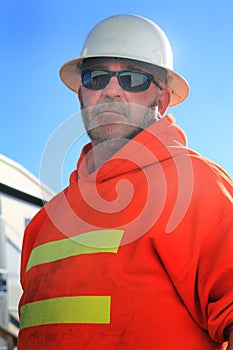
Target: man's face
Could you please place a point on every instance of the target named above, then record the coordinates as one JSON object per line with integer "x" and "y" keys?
{"x": 113, "y": 113}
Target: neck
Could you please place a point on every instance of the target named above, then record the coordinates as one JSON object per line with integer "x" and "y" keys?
{"x": 104, "y": 151}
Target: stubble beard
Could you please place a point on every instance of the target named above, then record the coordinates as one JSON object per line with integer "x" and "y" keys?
{"x": 115, "y": 126}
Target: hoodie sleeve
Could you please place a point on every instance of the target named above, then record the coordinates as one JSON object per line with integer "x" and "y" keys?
{"x": 198, "y": 253}
{"x": 29, "y": 239}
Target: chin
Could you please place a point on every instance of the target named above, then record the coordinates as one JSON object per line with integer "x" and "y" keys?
{"x": 109, "y": 132}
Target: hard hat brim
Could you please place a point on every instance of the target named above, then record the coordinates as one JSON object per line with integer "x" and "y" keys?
{"x": 70, "y": 75}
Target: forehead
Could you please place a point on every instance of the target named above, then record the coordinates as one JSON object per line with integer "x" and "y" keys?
{"x": 116, "y": 66}
{"x": 112, "y": 64}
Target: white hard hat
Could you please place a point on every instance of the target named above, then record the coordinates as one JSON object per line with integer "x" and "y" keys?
{"x": 129, "y": 37}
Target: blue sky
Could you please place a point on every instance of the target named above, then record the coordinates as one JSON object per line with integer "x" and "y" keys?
{"x": 38, "y": 36}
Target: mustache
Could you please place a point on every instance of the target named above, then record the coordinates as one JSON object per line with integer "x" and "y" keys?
{"x": 120, "y": 107}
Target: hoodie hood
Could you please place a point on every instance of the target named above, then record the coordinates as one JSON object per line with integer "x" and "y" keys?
{"x": 160, "y": 141}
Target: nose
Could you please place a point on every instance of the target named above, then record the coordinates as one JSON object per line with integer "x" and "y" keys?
{"x": 113, "y": 89}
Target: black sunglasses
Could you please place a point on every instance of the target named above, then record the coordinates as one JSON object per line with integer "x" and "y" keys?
{"x": 129, "y": 80}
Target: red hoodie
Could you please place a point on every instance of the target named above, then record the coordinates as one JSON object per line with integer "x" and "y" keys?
{"x": 135, "y": 255}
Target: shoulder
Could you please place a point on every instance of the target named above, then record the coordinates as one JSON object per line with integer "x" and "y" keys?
{"x": 41, "y": 220}
{"x": 209, "y": 175}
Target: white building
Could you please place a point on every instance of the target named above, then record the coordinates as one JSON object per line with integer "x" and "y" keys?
{"x": 21, "y": 196}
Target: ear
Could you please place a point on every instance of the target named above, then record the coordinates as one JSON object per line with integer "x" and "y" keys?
{"x": 80, "y": 96}
{"x": 80, "y": 93}
{"x": 163, "y": 101}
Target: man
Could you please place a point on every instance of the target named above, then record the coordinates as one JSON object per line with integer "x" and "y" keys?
{"x": 136, "y": 253}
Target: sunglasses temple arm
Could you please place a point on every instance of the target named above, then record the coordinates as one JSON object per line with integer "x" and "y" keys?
{"x": 157, "y": 84}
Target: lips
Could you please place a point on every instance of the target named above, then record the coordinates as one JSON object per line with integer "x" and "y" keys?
{"x": 117, "y": 111}
{"x": 118, "y": 108}
{"x": 110, "y": 117}
{"x": 112, "y": 111}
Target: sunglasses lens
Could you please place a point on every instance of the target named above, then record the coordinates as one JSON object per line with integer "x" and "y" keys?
{"x": 95, "y": 79}
{"x": 134, "y": 81}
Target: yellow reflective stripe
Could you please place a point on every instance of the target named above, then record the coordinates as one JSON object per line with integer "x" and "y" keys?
{"x": 78, "y": 309}
{"x": 100, "y": 241}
